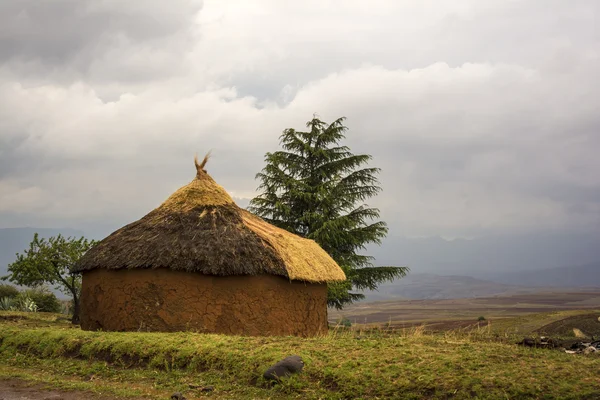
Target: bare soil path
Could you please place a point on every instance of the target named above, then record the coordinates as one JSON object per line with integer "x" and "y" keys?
{"x": 16, "y": 389}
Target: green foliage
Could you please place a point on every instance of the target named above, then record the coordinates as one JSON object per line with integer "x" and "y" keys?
{"x": 51, "y": 262}
{"x": 345, "y": 322}
{"x": 315, "y": 187}
{"x": 27, "y": 304}
{"x": 45, "y": 300}
{"x": 8, "y": 291}
{"x": 22, "y": 303}
{"x": 481, "y": 318}
{"x": 7, "y": 304}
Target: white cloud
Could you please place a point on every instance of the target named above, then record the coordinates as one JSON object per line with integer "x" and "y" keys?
{"x": 473, "y": 135}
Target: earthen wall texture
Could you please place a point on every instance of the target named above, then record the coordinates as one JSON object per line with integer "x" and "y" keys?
{"x": 165, "y": 300}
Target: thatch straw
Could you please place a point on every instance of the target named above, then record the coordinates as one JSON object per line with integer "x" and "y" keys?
{"x": 302, "y": 261}
{"x": 200, "y": 229}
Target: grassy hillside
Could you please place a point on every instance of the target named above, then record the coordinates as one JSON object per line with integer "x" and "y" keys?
{"x": 408, "y": 364}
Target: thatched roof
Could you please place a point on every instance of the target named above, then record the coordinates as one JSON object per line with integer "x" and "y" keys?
{"x": 200, "y": 229}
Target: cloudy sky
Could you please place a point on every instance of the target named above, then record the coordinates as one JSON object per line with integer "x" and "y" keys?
{"x": 483, "y": 115}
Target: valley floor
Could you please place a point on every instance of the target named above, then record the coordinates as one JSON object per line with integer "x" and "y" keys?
{"x": 456, "y": 313}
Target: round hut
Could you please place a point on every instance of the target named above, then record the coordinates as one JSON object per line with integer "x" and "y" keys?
{"x": 199, "y": 262}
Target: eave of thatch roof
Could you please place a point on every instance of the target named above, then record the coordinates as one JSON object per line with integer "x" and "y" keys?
{"x": 200, "y": 229}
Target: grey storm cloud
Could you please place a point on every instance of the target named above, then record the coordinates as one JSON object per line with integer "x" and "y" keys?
{"x": 87, "y": 39}
{"x": 482, "y": 115}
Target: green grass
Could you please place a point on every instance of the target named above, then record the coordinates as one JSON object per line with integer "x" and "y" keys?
{"x": 408, "y": 364}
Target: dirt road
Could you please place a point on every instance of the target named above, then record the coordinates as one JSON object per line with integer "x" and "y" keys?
{"x": 15, "y": 389}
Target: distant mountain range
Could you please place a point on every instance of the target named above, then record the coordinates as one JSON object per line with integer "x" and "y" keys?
{"x": 577, "y": 276}
{"x": 483, "y": 256}
{"x": 16, "y": 240}
{"x": 431, "y": 286}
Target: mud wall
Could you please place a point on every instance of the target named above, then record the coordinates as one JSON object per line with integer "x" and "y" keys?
{"x": 166, "y": 300}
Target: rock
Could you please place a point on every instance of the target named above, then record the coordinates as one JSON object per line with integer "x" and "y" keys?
{"x": 527, "y": 342}
{"x": 177, "y": 396}
{"x": 284, "y": 368}
{"x": 589, "y": 350}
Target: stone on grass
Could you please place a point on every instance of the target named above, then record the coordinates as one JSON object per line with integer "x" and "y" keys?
{"x": 177, "y": 396}
{"x": 527, "y": 342}
{"x": 284, "y": 368}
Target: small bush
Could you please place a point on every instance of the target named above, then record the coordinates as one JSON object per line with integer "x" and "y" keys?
{"x": 8, "y": 291}
{"x": 28, "y": 305}
{"x": 345, "y": 322}
{"x": 20, "y": 303}
{"x": 45, "y": 300}
{"x": 7, "y": 303}
{"x": 482, "y": 318}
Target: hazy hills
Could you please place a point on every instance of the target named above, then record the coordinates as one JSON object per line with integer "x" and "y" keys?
{"x": 431, "y": 286}
{"x": 576, "y": 276}
{"x": 435, "y": 287}
{"x": 488, "y": 266}
{"x": 485, "y": 256}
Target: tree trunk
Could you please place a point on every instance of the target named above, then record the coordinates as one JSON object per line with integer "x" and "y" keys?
{"x": 75, "y": 320}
